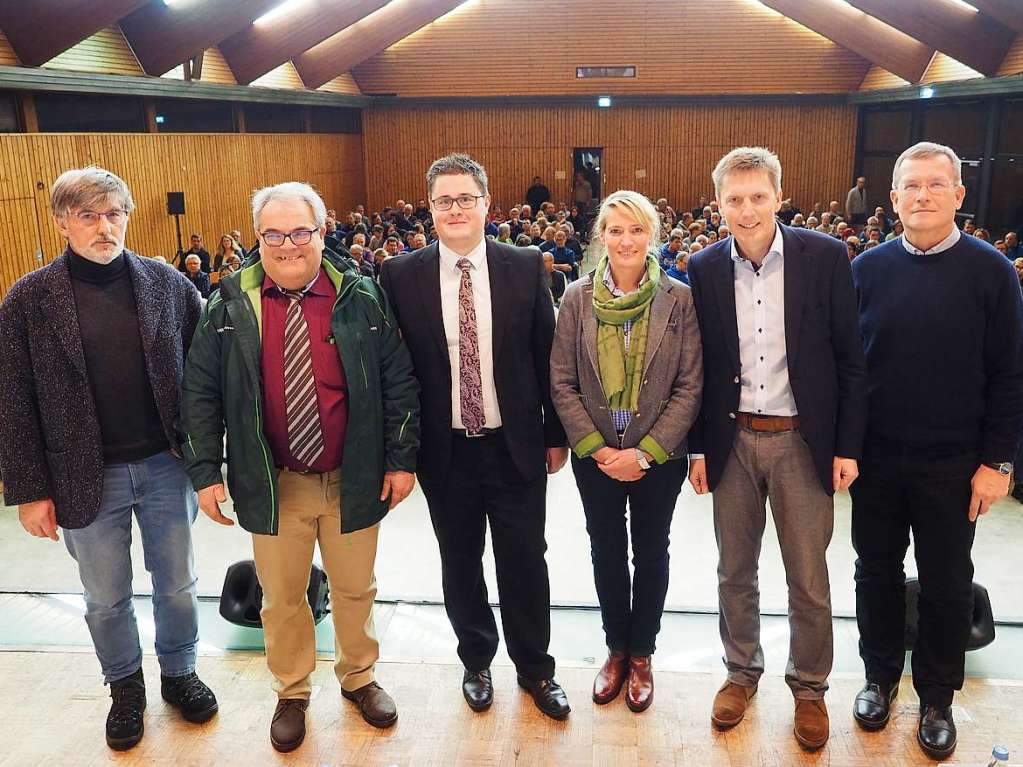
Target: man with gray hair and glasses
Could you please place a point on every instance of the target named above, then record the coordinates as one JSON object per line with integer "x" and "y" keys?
{"x": 299, "y": 358}
{"x": 942, "y": 324}
{"x": 91, "y": 352}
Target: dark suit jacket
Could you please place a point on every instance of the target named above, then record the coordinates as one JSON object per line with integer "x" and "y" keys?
{"x": 50, "y": 442}
{"x": 827, "y": 371}
{"x": 523, "y": 328}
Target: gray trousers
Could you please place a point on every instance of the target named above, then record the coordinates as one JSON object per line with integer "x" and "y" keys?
{"x": 778, "y": 466}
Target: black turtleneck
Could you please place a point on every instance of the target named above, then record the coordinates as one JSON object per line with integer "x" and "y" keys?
{"x": 108, "y": 321}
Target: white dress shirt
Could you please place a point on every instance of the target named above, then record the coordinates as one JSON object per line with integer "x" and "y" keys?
{"x": 760, "y": 317}
{"x": 944, "y": 245}
{"x": 450, "y": 281}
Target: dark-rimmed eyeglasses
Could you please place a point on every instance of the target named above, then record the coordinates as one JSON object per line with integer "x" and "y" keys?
{"x": 465, "y": 201}
{"x": 297, "y": 237}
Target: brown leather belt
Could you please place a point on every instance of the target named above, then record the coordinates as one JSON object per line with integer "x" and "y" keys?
{"x": 772, "y": 423}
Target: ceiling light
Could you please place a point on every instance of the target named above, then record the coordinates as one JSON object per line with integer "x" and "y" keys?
{"x": 279, "y": 11}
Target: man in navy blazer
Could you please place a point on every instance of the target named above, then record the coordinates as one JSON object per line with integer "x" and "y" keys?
{"x": 783, "y": 417}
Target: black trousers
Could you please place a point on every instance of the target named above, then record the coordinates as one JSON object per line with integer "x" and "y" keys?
{"x": 896, "y": 494}
{"x": 484, "y": 486}
{"x": 631, "y": 612}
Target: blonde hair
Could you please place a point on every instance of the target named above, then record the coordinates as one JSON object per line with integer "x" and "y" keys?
{"x": 635, "y": 206}
{"x": 748, "y": 158}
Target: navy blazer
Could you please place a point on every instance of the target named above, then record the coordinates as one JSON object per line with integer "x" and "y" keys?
{"x": 523, "y": 330}
{"x": 827, "y": 371}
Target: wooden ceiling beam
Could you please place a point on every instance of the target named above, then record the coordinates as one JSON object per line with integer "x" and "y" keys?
{"x": 976, "y": 39}
{"x": 861, "y": 33}
{"x": 367, "y": 37}
{"x": 260, "y": 48}
{"x": 42, "y": 29}
{"x": 163, "y": 36}
{"x": 1008, "y": 12}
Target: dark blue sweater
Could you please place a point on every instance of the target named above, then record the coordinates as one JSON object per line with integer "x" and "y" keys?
{"x": 943, "y": 336}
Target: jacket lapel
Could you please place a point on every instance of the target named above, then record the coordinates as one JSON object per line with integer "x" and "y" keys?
{"x": 589, "y": 323}
{"x": 797, "y": 264}
{"x": 660, "y": 313}
{"x": 722, "y": 277}
{"x": 149, "y": 303}
{"x": 501, "y": 289}
{"x": 428, "y": 280}
{"x": 59, "y": 309}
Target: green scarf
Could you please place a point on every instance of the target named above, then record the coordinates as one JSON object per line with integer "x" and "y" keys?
{"x": 621, "y": 372}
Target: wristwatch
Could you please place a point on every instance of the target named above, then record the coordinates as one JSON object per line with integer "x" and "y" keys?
{"x": 1004, "y": 469}
{"x": 644, "y": 464}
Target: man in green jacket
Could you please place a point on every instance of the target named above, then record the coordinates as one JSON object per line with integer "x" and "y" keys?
{"x": 300, "y": 358}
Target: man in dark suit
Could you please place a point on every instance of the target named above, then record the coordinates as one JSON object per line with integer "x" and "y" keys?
{"x": 784, "y": 412}
{"x": 91, "y": 354}
{"x": 478, "y": 320}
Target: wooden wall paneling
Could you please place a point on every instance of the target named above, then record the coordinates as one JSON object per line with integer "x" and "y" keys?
{"x": 217, "y": 172}
{"x": 1012, "y": 64}
{"x": 105, "y": 52}
{"x": 343, "y": 83}
{"x": 284, "y": 77}
{"x": 879, "y": 79}
{"x": 677, "y": 146}
{"x": 8, "y": 57}
{"x": 214, "y": 69}
{"x": 676, "y": 47}
{"x": 945, "y": 69}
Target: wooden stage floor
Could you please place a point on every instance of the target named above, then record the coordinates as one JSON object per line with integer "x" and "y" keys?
{"x": 54, "y": 706}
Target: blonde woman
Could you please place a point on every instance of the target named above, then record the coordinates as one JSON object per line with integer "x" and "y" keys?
{"x": 227, "y": 247}
{"x": 626, "y": 380}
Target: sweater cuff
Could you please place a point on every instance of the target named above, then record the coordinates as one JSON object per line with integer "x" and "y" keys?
{"x": 649, "y": 444}
{"x": 588, "y": 444}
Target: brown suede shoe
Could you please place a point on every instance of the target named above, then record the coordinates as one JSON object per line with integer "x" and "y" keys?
{"x": 376, "y": 706}
{"x": 287, "y": 729}
{"x": 730, "y": 704}
{"x": 611, "y": 677}
{"x": 811, "y": 723}
{"x": 640, "y": 692}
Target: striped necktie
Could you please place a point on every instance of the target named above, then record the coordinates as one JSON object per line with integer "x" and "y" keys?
{"x": 305, "y": 436}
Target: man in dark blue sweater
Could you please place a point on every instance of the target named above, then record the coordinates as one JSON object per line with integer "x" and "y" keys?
{"x": 942, "y": 323}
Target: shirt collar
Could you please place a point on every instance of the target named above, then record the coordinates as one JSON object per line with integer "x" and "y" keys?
{"x": 315, "y": 287}
{"x": 778, "y": 246}
{"x": 477, "y": 256}
{"x": 944, "y": 245}
{"x": 609, "y": 281}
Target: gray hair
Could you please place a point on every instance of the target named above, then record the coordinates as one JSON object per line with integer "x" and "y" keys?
{"x": 193, "y": 257}
{"x": 748, "y": 158}
{"x": 504, "y": 229}
{"x": 456, "y": 165}
{"x": 928, "y": 149}
{"x": 89, "y": 187}
{"x": 289, "y": 190}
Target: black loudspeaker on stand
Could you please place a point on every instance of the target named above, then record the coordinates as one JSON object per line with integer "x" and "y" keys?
{"x": 176, "y": 208}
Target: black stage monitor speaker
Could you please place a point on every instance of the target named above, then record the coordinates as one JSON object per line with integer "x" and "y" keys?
{"x": 175, "y": 203}
{"x": 242, "y": 597}
{"x": 982, "y": 625}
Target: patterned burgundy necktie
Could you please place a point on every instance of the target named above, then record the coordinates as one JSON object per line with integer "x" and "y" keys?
{"x": 470, "y": 385}
{"x": 305, "y": 436}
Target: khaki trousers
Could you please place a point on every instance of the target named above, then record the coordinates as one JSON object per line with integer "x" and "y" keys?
{"x": 310, "y": 512}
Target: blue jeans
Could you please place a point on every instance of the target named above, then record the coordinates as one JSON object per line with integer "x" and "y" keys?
{"x": 159, "y": 492}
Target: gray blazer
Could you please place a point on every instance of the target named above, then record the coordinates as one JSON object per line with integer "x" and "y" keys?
{"x": 669, "y": 397}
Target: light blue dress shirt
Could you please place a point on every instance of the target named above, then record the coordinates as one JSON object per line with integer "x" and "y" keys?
{"x": 760, "y": 317}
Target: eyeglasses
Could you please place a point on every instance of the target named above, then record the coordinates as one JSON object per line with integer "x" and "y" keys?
{"x": 465, "y": 201}
{"x": 298, "y": 237}
{"x": 934, "y": 187}
{"x": 116, "y": 217}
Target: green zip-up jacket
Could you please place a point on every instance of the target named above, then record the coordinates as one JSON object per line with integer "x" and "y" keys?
{"x": 222, "y": 389}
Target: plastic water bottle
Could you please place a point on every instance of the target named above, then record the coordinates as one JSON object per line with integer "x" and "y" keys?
{"x": 999, "y": 756}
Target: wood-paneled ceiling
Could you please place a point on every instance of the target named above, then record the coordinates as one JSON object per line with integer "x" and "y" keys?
{"x": 325, "y": 39}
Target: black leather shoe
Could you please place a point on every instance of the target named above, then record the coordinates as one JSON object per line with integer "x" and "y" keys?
{"x": 124, "y": 722}
{"x": 937, "y": 732}
{"x": 478, "y": 689}
{"x": 872, "y": 707}
{"x": 190, "y": 696}
{"x": 548, "y": 696}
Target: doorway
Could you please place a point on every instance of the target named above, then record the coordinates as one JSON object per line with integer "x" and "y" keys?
{"x": 588, "y": 162}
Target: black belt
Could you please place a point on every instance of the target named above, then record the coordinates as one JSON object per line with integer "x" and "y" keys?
{"x": 481, "y": 433}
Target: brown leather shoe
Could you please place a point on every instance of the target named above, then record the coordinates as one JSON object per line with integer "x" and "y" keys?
{"x": 287, "y": 729}
{"x": 640, "y": 692}
{"x": 730, "y": 704}
{"x": 611, "y": 677}
{"x": 811, "y": 723}
{"x": 376, "y": 706}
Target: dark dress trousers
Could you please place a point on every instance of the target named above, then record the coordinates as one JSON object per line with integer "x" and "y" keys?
{"x": 827, "y": 371}
{"x": 499, "y": 478}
